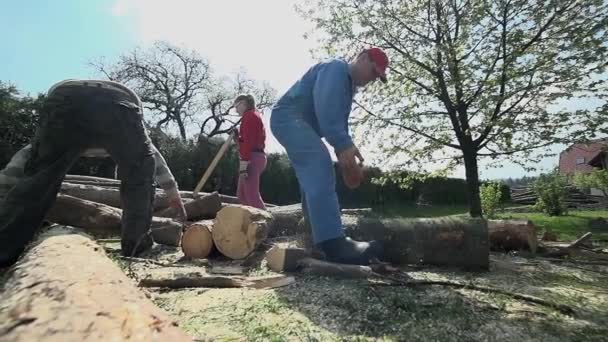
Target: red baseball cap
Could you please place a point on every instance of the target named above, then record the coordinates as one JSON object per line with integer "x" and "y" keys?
{"x": 381, "y": 60}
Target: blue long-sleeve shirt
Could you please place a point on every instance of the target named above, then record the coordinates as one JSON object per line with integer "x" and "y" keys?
{"x": 323, "y": 96}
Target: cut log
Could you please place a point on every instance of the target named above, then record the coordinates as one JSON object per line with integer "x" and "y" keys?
{"x": 101, "y": 218}
{"x": 238, "y": 230}
{"x": 443, "y": 241}
{"x": 205, "y": 207}
{"x": 91, "y": 179}
{"x": 285, "y": 259}
{"x": 111, "y": 196}
{"x": 66, "y": 289}
{"x": 197, "y": 242}
{"x": 511, "y": 235}
{"x": 94, "y": 193}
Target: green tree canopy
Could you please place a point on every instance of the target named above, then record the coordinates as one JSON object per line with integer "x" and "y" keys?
{"x": 472, "y": 79}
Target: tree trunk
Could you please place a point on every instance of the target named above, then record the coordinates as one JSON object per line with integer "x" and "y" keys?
{"x": 238, "y": 230}
{"x": 66, "y": 289}
{"x": 100, "y": 218}
{"x": 197, "y": 242}
{"x": 472, "y": 178}
{"x": 443, "y": 241}
{"x": 205, "y": 207}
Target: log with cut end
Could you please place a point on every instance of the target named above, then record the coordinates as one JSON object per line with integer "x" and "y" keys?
{"x": 238, "y": 230}
{"x": 512, "y": 235}
{"x": 66, "y": 289}
{"x": 444, "y": 241}
{"x": 197, "y": 242}
{"x": 285, "y": 259}
{"x": 101, "y": 218}
{"x": 205, "y": 207}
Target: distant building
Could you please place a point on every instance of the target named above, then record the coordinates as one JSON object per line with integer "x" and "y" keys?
{"x": 585, "y": 157}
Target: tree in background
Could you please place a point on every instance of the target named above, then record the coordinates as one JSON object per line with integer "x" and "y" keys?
{"x": 167, "y": 79}
{"x": 216, "y": 115}
{"x": 551, "y": 190}
{"x": 472, "y": 79}
{"x": 18, "y": 119}
{"x": 597, "y": 179}
{"x": 179, "y": 88}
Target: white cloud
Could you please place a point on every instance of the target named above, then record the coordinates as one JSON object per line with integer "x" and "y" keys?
{"x": 265, "y": 38}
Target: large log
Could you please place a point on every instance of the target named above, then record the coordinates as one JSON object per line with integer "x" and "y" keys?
{"x": 205, "y": 207}
{"x": 444, "y": 241}
{"x": 512, "y": 235}
{"x": 101, "y": 218}
{"x": 66, "y": 289}
{"x": 238, "y": 230}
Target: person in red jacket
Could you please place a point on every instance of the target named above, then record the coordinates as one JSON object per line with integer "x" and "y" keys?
{"x": 251, "y": 137}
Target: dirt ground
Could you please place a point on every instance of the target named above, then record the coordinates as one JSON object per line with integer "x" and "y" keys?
{"x": 329, "y": 309}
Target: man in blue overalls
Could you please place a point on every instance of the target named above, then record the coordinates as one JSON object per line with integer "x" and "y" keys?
{"x": 318, "y": 105}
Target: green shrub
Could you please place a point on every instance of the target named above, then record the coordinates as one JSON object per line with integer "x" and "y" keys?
{"x": 551, "y": 191}
{"x": 491, "y": 195}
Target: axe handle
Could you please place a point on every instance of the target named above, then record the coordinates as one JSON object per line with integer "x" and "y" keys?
{"x": 211, "y": 167}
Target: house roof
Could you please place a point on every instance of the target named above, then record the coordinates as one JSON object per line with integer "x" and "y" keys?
{"x": 596, "y": 160}
{"x": 599, "y": 144}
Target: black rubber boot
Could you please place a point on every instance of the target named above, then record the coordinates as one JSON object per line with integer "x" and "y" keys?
{"x": 142, "y": 245}
{"x": 347, "y": 251}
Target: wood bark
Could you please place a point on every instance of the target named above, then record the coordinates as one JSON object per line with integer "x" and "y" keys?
{"x": 238, "y": 230}
{"x": 101, "y": 218}
{"x": 512, "y": 235}
{"x": 285, "y": 220}
{"x": 66, "y": 289}
{"x": 205, "y": 207}
{"x": 443, "y": 241}
{"x": 197, "y": 242}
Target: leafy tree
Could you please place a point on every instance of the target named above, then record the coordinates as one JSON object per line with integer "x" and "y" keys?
{"x": 18, "y": 119}
{"x": 472, "y": 79}
{"x": 597, "y": 179}
{"x": 491, "y": 195}
{"x": 551, "y": 190}
{"x": 179, "y": 88}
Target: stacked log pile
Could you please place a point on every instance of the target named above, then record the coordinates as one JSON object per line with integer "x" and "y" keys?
{"x": 575, "y": 198}
{"x": 216, "y": 224}
{"x": 214, "y": 221}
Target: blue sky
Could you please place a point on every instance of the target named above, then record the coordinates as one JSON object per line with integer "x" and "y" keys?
{"x": 47, "y": 41}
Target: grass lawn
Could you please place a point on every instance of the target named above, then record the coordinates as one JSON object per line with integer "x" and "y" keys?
{"x": 567, "y": 227}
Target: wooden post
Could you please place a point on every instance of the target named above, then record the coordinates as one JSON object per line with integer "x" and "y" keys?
{"x": 211, "y": 167}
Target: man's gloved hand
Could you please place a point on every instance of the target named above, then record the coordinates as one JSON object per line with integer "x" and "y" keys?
{"x": 352, "y": 172}
{"x": 244, "y": 168}
{"x": 175, "y": 202}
